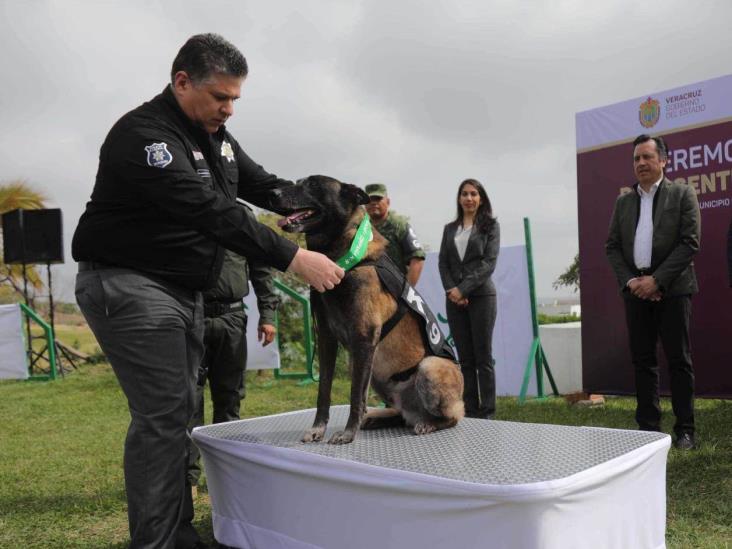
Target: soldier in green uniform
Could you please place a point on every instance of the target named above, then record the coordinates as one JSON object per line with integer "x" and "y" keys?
{"x": 404, "y": 249}
{"x": 225, "y": 356}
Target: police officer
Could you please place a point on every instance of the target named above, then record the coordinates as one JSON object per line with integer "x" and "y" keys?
{"x": 404, "y": 249}
{"x": 224, "y": 339}
{"x": 152, "y": 237}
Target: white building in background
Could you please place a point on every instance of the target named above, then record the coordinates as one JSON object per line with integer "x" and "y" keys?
{"x": 559, "y": 306}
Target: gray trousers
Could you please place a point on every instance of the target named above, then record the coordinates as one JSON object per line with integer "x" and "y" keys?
{"x": 472, "y": 330}
{"x": 152, "y": 333}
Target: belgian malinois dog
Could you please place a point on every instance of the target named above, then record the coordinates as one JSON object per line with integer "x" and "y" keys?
{"x": 422, "y": 390}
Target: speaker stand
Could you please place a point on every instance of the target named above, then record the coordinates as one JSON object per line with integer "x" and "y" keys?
{"x": 60, "y": 350}
{"x": 29, "y": 338}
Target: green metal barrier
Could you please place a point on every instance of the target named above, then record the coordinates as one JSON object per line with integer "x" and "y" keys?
{"x": 307, "y": 376}
{"x": 536, "y": 355}
{"x": 50, "y": 345}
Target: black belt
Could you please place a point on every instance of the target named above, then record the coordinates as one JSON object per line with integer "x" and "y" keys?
{"x": 218, "y": 308}
{"x": 93, "y": 266}
{"x": 644, "y": 272}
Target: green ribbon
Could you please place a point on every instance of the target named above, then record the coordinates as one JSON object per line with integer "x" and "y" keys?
{"x": 360, "y": 243}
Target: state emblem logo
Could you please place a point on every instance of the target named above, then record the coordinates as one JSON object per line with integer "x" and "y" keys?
{"x": 226, "y": 151}
{"x": 649, "y": 112}
{"x": 158, "y": 155}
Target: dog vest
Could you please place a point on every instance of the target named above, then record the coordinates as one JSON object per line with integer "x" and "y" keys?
{"x": 407, "y": 298}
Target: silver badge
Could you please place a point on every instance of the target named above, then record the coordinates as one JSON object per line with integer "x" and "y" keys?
{"x": 226, "y": 151}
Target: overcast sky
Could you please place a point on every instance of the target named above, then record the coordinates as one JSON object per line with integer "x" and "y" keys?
{"x": 416, "y": 94}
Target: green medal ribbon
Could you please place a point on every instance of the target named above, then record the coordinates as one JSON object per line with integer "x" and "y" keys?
{"x": 360, "y": 242}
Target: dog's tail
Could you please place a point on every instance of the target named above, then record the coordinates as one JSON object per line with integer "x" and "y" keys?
{"x": 439, "y": 385}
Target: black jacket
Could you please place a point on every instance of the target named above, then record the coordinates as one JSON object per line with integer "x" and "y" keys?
{"x": 233, "y": 285}
{"x": 676, "y": 237}
{"x": 164, "y": 201}
{"x": 472, "y": 275}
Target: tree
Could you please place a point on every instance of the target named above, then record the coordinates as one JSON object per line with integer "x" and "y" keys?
{"x": 570, "y": 277}
{"x": 13, "y": 195}
{"x": 270, "y": 219}
{"x": 289, "y": 313}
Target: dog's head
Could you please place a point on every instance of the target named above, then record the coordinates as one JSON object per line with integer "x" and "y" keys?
{"x": 317, "y": 205}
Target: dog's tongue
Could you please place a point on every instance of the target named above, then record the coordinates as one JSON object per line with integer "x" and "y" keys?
{"x": 294, "y": 217}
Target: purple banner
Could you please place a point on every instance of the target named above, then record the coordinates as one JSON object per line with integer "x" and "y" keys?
{"x": 700, "y": 156}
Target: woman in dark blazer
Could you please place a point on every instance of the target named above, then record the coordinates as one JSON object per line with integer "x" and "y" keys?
{"x": 468, "y": 255}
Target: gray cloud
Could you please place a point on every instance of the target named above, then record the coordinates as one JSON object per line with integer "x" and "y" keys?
{"x": 416, "y": 94}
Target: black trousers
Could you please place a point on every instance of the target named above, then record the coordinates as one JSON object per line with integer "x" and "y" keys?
{"x": 152, "y": 333}
{"x": 224, "y": 365}
{"x": 471, "y": 328}
{"x": 668, "y": 320}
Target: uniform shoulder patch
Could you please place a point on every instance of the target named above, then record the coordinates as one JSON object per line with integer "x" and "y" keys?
{"x": 413, "y": 238}
{"x": 158, "y": 155}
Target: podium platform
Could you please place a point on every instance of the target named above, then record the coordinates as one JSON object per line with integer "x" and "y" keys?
{"x": 482, "y": 484}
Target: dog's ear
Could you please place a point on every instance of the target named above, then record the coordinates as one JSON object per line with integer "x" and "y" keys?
{"x": 354, "y": 194}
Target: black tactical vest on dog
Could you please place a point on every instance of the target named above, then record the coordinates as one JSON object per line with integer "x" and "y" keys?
{"x": 407, "y": 297}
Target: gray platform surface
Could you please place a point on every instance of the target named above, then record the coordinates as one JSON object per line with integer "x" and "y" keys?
{"x": 479, "y": 451}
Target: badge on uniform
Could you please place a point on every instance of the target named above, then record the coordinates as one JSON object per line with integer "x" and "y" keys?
{"x": 158, "y": 155}
{"x": 226, "y": 151}
{"x": 413, "y": 236}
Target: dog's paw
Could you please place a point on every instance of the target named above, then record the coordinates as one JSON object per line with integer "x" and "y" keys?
{"x": 342, "y": 437}
{"x": 314, "y": 435}
{"x": 424, "y": 428}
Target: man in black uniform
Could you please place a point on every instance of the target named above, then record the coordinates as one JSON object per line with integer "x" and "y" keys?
{"x": 152, "y": 237}
{"x": 225, "y": 341}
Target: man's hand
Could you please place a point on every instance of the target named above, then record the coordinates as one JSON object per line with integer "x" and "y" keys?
{"x": 266, "y": 334}
{"x": 316, "y": 269}
{"x": 414, "y": 270}
{"x": 644, "y": 287}
{"x": 656, "y": 297}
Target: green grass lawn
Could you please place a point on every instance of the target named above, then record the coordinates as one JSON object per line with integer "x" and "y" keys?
{"x": 61, "y": 443}
{"x": 79, "y": 338}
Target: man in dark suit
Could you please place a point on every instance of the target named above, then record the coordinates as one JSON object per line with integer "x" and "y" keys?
{"x": 654, "y": 234}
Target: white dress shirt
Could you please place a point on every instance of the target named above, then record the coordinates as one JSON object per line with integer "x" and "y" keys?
{"x": 462, "y": 235}
{"x": 643, "y": 244}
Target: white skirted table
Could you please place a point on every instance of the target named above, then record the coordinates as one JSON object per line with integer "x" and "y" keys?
{"x": 482, "y": 484}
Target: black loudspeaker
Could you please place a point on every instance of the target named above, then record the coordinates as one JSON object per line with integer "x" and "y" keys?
{"x": 33, "y": 236}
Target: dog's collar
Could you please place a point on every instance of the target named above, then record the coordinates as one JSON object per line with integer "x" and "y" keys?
{"x": 359, "y": 244}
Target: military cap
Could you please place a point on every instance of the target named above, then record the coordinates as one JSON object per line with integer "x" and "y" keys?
{"x": 376, "y": 189}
